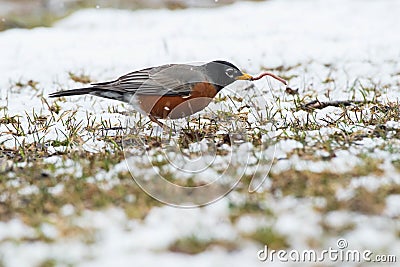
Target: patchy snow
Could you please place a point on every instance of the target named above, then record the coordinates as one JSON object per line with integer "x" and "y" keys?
{"x": 357, "y": 38}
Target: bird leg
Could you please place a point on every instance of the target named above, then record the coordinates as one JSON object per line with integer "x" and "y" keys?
{"x": 162, "y": 125}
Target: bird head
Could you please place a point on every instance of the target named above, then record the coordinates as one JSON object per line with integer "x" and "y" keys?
{"x": 223, "y": 73}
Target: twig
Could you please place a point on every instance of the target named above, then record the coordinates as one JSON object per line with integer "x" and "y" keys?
{"x": 316, "y": 104}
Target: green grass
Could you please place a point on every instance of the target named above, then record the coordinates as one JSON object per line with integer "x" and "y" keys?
{"x": 194, "y": 245}
{"x": 267, "y": 236}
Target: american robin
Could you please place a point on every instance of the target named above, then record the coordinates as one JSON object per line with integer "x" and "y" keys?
{"x": 168, "y": 91}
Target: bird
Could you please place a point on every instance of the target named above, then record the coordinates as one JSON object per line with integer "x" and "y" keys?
{"x": 168, "y": 91}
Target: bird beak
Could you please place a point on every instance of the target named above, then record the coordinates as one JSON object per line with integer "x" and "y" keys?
{"x": 245, "y": 76}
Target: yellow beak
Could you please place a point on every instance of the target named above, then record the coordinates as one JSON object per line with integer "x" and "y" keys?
{"x": 245, "y": 76}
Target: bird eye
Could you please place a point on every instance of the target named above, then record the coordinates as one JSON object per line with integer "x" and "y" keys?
{"x": 229, "y": 72}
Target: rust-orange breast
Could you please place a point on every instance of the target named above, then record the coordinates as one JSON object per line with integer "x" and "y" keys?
{"x": 176, "y": 107}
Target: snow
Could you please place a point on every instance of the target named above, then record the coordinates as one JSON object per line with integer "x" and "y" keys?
{"x": 358, "y": 38}
{"x": 15, "y": 229}
{"x": 393, "y": 205}
{"x": 67, "y": 210}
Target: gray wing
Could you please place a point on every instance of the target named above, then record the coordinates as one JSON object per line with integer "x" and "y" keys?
{"x": 171, "y": 79}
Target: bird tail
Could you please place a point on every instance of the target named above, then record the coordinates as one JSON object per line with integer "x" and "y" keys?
{"x": 110, "y": 93}
{"x": 80, "y": 91}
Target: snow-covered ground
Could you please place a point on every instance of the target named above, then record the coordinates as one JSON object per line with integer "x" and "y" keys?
{"x": 350, "y": 42}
